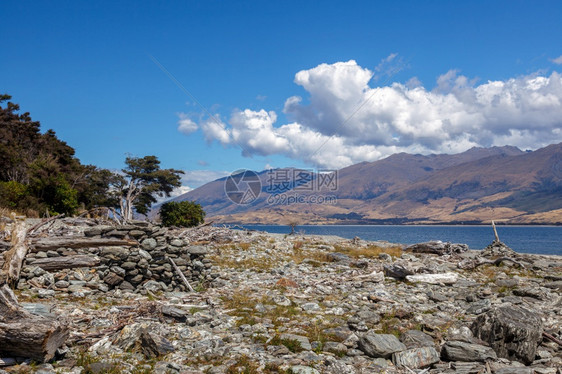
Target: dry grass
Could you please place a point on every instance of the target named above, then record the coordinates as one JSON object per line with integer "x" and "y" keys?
{"x": 369, "y": 251}
{"x": 258, "y": 264}
{"x": 300, "y": 255}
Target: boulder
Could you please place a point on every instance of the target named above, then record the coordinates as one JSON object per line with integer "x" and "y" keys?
{"x": 416, "y": 339}
{"x": 380, "y": 345}
{"x": 461, "y": 351}
{"x": 416, "y": 358}
{"x": 512, "y": 331}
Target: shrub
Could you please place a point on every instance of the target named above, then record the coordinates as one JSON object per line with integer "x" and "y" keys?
{"x": 184, "y": 214}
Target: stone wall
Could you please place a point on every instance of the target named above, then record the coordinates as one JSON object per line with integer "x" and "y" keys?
{"x": 141, "y": 267}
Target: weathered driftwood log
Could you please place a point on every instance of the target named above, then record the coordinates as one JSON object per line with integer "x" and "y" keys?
{"x": 438, "y": 247}
{"x": 66, "y": 262}
{"x": 44, "y": 244}
{"x": 23, "y": 334}
{"x": 13, "y": 258}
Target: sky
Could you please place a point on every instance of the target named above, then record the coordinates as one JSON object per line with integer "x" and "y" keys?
{"x": 211, "y": 87}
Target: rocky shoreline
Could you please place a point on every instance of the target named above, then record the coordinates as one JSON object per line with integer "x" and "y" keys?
{"x": 265, "y": 303}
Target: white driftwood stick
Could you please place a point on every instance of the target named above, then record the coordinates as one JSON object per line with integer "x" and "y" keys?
{"x": 177, "y": 269}
{"x": 445, "y": 278}
{"x": 495, "y": 231}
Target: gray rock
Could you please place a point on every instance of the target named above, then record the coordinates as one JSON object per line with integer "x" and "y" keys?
{"x": 339, "y": 257}
{"x": 115, "y": 253}
{"x": 334, "y": 347}
{"x": 310, "y": 307}
{"x": 300, "y": 369}
{"x": 38, "y": 309}
{"x": 126, "y": 286}
{"x": 62, "y": 284}
{"x": 174, "y": 312}
{"x": 467, "y": 352}
{"x": 118, "y": 270}
{"x": 416, "y": 339}
{"x": 42, "y": 293}
{"x": 398, "y": 271}
{"x": 148, "y": 244}
{"x": 153, "y": 345}
{"x": 479, "y": 307}
{"x": 416, "y": 358}
{"x": 144, "y": 254}
{"x": 512, "y": 331}
{"x": 128, "y": 265}
{"x": 136, "y": 233}
{"x": 152, "y": 286}
{"x": 176, "y": 242}
{"x": 112, "y": 279}
{"x": 197, "y": 250}
{"x": 380, "y": 345}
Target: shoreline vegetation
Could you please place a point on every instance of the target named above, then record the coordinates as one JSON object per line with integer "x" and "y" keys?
{"x": 216, "y": 300}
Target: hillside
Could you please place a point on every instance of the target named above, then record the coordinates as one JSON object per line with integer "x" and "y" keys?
{"x": 501, "y": 183}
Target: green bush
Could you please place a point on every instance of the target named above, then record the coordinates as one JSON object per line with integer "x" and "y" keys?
{"x": 11, "y": 193}
{"x": 183, "y": 214}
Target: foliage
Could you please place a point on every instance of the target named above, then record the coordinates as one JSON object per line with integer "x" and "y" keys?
{"x": 183, "y": 214}
{"x": 142, "y": 180}
{"x": 40, "y": 172}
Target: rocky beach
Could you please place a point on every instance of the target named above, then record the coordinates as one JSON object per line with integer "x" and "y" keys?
{"x": 141, "y": 298}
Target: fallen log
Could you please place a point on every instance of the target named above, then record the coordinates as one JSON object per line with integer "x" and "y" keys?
{"x": 23, "y": 334}
{"x": 66, "y": 262}
{"x": 45, "y": 244}
{"x": 13, "y": 258}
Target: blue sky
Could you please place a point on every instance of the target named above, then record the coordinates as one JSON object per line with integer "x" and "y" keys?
{"x": 291, "y": 83}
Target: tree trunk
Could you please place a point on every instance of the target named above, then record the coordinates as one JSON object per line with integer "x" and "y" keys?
{"x": 44, "y": 244}
{"x": 23, "y": 334}
{"x": 65, "y": 262}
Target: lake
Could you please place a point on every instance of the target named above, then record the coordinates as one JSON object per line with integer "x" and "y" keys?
{"x": 525, "y": 239}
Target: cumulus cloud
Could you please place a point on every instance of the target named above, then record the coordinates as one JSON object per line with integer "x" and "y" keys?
{"x": 345, "y": 119}
{"x": 186, "y": 125}
{"x": 557, "y": 60}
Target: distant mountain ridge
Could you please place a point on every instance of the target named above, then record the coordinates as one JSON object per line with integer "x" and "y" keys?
{"x": 475, "y": 186}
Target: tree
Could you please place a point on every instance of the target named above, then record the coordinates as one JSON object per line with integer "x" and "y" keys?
{"x": 184, "y": 214}
{"x": 141, "y": 181}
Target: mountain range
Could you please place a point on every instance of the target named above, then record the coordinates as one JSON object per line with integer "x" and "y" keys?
{"x": 503, "y": 184}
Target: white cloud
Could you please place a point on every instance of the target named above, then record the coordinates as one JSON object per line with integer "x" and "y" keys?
{"x": 557, "y": 60}
{"x": 215, "y": 129}
{"x": 345, "y": 120}
{"x": 186, "y": 125}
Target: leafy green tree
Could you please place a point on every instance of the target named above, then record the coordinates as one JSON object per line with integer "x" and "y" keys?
{"x": 142, "y": 180}
{"x": 48, "y": 174}
{"x": 183, "y": 214}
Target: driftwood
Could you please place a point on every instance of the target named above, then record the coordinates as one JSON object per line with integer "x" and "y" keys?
{"x": 32, "y": 230}
{"x": 44, "y": 244}
{"x": 178, "y": 271}
{"x": 552, "y": 338}
{"x": 13, "y": 258}
{"x": 66, "y": 262}
{"x": 23, "y": 334}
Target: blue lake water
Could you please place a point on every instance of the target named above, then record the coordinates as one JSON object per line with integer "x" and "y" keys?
{"x": 525, "y": 239}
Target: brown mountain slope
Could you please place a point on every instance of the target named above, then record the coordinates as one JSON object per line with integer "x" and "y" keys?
{"x": 474, "y": 186}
